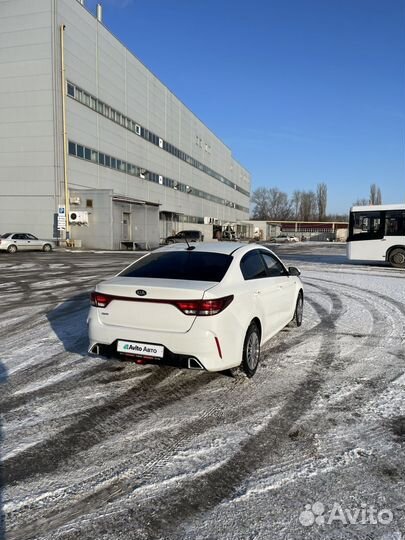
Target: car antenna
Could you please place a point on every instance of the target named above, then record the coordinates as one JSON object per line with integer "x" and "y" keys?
{"x": 189, "y": 248}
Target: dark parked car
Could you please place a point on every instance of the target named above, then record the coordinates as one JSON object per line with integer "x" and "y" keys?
{"x": 191, "y": 236}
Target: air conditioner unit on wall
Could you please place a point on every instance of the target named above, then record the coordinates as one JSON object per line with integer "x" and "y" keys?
{"x": 79, "y": 218}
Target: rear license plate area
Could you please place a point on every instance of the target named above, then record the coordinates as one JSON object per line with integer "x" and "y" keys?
{"x": 140, "y": 350}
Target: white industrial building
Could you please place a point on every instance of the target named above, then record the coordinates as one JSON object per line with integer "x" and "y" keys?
{"x": 87, "y": 129}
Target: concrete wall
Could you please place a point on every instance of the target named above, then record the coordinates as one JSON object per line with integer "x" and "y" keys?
{"x": 28, "y": 182}
{"x": 98, "y": 234}
{"x": 105, "y": 221}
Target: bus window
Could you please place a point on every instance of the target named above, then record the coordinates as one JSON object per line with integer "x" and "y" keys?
{"x": 395, "y": 224}
{"x": 366, "y": 226}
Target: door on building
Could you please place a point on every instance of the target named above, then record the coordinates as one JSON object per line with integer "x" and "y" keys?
{"x": 126, "y": 227}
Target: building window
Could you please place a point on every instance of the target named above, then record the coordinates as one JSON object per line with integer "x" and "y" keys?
{"x": 108, "y": 161}
{"x": 72, "y": 148}
{"x": 70, "y": 90}
{"x": 89, "y": 203}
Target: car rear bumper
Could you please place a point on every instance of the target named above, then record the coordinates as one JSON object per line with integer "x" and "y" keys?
{"x": 185, "y": 361}
{"x": 180, "y": 349}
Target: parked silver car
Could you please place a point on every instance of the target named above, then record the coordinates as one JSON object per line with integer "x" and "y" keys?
{"x": 13, "y": 242}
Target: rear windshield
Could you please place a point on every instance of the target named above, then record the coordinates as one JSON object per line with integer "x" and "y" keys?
{"x": 188, "y": 265}
{"x": 5, "y": 235}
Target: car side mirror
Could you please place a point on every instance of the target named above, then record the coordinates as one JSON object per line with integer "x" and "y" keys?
{"x": 293, "y": 271}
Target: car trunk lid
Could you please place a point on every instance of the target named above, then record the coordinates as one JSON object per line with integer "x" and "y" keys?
{"x": 148, "y": 304}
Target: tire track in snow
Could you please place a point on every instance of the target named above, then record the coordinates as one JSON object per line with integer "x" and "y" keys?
{"x": 359, "y": 392}
{"x": 90, "y": 427}
{"x": 198, "y": 495}
{"x": 114, "y": 491}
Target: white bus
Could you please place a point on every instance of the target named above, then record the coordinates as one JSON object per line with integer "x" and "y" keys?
{"x": 377, "y": 233}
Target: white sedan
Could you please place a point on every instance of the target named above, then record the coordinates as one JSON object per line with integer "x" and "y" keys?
{"x": 13, "y": 242}
{"x": 204, "y": 306}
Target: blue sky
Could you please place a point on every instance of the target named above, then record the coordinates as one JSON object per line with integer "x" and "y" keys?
{"x": 303, "y": 91}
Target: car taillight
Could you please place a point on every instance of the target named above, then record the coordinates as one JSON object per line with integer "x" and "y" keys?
{"x": 203, "y": 308}
{"x": 99, "y": 299}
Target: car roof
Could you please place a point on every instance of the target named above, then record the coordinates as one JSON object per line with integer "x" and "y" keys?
{"x": 208, "y": 247}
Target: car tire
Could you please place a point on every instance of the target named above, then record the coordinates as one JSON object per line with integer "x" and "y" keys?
{"x": 299, "y": 311}
{"x": 12, "y": 249}
{"x": 47, "y": 248}
{"x": 397, "y": 258}
{"x": 251, "y": 351}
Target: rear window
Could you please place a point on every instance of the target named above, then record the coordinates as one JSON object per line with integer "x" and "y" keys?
{"x": 188, "y": 265}
{"x": 6, "y": 235}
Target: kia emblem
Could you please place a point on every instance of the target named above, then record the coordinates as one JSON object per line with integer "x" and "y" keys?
{"x": 141, "y": 292}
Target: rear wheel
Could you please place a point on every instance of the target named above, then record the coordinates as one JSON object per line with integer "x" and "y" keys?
{"x": 251, "y": 351}
{"x": 47, "y": 248}
{"x": 397, "y": 257}
{"x": 12, "y": 249}
{"x": 299, "y": 311}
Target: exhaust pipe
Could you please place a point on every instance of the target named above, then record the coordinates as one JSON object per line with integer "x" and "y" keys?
{"x": 193, "y": 363}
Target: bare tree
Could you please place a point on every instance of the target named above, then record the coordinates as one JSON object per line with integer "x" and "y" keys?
{"x": 374, "y": 194}
{"x": 279, "y": 205}
{"x": 379, "y": 196}
{"x": 322, "y": 200}
{"x": 308, "y": 205}
{"x": 361, "y": 202}
{"x": 271, "y": 204}
{"x": 296, "y": 203}
{"x": 260, "y": 201}
{"x": 337, "y": 217}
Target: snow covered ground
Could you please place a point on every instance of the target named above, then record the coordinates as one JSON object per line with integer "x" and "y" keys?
{"x": 97, "y": 449}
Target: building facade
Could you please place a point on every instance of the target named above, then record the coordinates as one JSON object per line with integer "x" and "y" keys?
{"x": 83, "y": 121}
